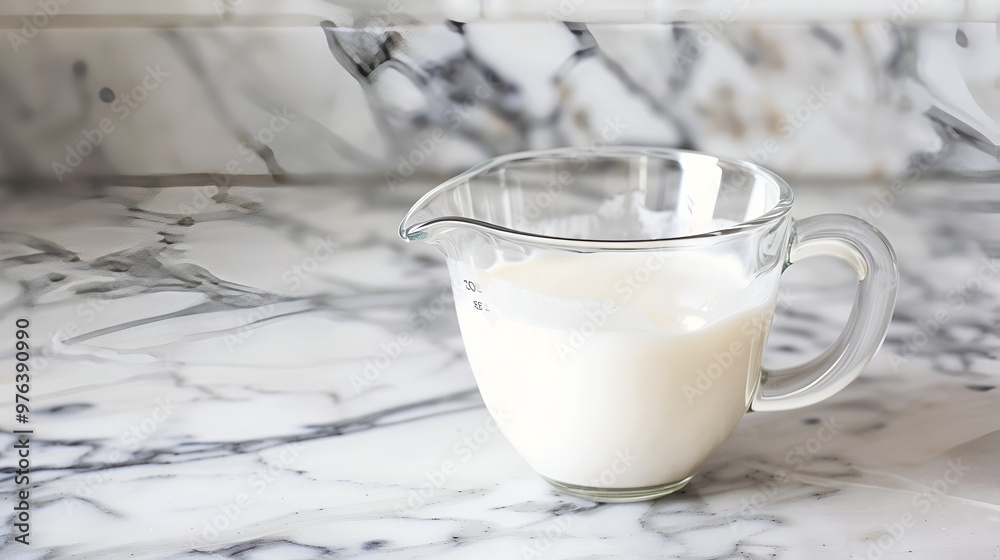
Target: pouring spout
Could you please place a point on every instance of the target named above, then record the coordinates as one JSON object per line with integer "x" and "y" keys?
{"x": 417, "y": 222}
{"x": 413, "y": 232}
{"x": 445, "y": 217}
{"x": 427, "y": 231}
{"x": 444, "y": 208}
{"x": 427, "y": 218}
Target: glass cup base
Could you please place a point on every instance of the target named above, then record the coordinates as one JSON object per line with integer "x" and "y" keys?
{"x": 619, "y": 495}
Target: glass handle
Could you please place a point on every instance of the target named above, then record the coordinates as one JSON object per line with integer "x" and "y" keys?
{"x": 866, "y": 249}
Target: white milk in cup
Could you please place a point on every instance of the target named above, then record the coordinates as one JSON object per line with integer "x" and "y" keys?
{"x": 615, "y": 305}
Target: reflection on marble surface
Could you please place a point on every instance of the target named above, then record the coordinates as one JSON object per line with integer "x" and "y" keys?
{"x": 271, "y": 373}
{"x": 341, "y": 93}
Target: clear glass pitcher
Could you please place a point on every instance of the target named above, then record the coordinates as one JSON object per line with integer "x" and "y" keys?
{"x": 614, "y": 304}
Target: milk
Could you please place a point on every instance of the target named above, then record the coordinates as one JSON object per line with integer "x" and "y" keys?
{"x": 618, "y": 369}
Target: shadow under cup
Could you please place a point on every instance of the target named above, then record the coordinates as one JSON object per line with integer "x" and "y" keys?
{"x": 614, "y": 306}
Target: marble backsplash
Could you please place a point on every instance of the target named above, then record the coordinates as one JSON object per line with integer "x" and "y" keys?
{"x": 390, "y": 95}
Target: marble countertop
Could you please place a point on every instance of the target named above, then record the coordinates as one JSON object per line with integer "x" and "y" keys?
{"x": 198, "y": 391}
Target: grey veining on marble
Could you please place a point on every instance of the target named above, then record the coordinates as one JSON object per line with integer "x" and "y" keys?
{"x": 224, "y": 373}
{"x": 338, "y": 91}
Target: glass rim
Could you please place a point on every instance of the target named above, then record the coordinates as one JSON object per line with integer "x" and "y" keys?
{"x": 418, "y": 231}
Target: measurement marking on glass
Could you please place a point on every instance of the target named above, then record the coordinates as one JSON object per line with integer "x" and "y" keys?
{"x": 478, "y": 304}
{"x": 471, "y": 286}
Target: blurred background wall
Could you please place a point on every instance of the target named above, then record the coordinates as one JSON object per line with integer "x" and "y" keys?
{"x": 255, "y": 92}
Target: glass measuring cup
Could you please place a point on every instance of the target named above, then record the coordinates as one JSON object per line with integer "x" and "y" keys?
{"x": 614, "y": 304}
